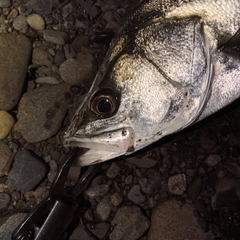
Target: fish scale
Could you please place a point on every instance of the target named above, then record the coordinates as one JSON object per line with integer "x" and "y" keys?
{"x": 172, "y": 64}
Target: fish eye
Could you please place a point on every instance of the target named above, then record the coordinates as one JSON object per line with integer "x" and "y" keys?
{"x": 104, "y": 103}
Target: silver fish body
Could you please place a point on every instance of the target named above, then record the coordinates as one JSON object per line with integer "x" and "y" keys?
{"x": 174, "y": 63}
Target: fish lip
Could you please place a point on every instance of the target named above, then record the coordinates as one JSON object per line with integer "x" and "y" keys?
{"x": 103, "y": 146}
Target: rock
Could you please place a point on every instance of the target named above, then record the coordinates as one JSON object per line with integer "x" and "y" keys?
{"x": 49, "y": 80}
{"x": 12, "y": 15}
{"x": 116, "y": 199}
{"x": 129, "y": 223}
{"x": 14, "y": 58}
{"x": 6, "y": 124}
{"x": 208, "y": 139}
{"x": 10, "y": 223}
{"x": 113, "y": 171}
{"x": 169, "y": 221}
{"x": 5, "y": 3}
{"x": 135, "y": 195}
{"x": 145, "y": 160}
{"x": 97, "y": 191}
{"x": 59, "y": 57}
{"x": 27, "y": 172}
{"x": 41, "y": 112}
{"x": 233, "y": 168}
{"x": 36, "y": 22}
{"x": 4, "y": 201}
{"x": 74, "y": 173}
{"x": 20, "y": 22}
{"x": 100, "y": 230}
{"x": 79, "y": 42}
{"x": 104, "y": 208}
{"x": 81, "y": 231}
{"x": 5, "y": 154}
{"x": 69, "y": 51}
{"x": 79, "y": 71}
{"x": 195, "y": 188}
{"x": 177, "y": 184}
{"x": 42, "y": 57}
{"x": 226, "y": 194}
{"x": 56, "y": 37}
{"x": 213, "y": 159}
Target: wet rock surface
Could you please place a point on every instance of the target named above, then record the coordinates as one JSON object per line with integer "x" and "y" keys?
{"x": 185, "y": 186}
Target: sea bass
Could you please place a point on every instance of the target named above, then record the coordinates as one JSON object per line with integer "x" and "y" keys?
{"x": 173, "y": 63}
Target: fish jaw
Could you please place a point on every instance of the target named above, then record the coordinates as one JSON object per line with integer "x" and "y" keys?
{"x": 103, "y": 146}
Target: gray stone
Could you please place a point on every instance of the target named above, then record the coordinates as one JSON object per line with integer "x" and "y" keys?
{"x": 59, "y": 57}
{"x": 27, "y": 172}
{"x": 135, "y": 195}
{"x": 195, "y": 188}
{"x": 69, "y": 51}
{"x": 171, "y": 221}
{"x": 79, "y": 71}
{"x": 208, "y": 139}
{"x": 116, "y": 199}
{"x": 97, "y": 191}
{"x": 14, "y": 58}
{"x": 104, "y": 208}
{"x": 145, "y": 160}
{"x": 20, "y": 22}
{"x": 227, "y": 194}
{"x": 129, "y": 223}
{"x": 41, "y": 112}
{"x": 233, "y": 168}
{"x": 56, "y": 37}
{"x": 113, "y": 171}
{"x": 4, "y": 201}
{"x": 177, "y": 184}
{"x": 80, "y": 231}
{"x": 213, "y": 159}
{"x": 5, "y": 154}
{"x": 9, "y": 225}
{"x": 100, "y": 230}
{"x": 5, "y": 3}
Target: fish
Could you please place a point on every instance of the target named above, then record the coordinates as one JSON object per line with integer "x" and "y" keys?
{"x": 172, "y": 64}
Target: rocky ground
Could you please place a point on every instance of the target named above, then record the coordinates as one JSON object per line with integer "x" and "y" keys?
{"x": 184, "y": 187}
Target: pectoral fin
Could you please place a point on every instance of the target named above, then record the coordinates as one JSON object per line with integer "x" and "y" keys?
{"x": 232, "y": 46}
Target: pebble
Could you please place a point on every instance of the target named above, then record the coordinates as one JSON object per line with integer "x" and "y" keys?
{"x": 42, "y": 58}
{"x": 10, "y": 223}
{"x": 116, "y": 199}
{"x": 170, "y": 221}
{"x": 74, "y": 173}
{"x": 177, "y": 184}
{"x": 79, "y": 71}
{"x": 41, "y": 112}
{"x": 113, "y": 171}
{"x": 97, "y": 191}
{"x": 213, "y": 159}
{"x": 56, "y": 37}
{"x": 14, "y": 55}
{"x": 5, "y": 154}
{"x": 5, "y": 3}
{"x": 226, "y": 194}
{"x": 104, "y": 208}
{"x": 135, "y": 195}
{"x": 12, "y": 15}
{"x": 233, "y": 168}
{"x": 20, "y": 22}
{"x": 49, "y": 80}
{"x": 146, "y": 160}
{"x": 4, "y": 201}
{"x": 129, "y": 223}
{"x": 100, "y": 230}
{"x": 53, "y": 165}
{"x": 69, "y": 51}
{"x": 195, "y": 188}
{"x": 208, "y": 139}
{"x": 6, "y": 124}
{"x": 36, "y": 22}
{"x": 81, "y": 231}
{"x": 128, "y": 179}
{"x": 27, "y": 172}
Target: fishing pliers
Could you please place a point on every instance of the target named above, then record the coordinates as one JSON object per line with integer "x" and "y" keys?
{"x": 51, "y": 218}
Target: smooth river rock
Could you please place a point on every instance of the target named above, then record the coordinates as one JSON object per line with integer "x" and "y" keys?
{"x": 15, "y": 52}
{"x": 41, "y": 112}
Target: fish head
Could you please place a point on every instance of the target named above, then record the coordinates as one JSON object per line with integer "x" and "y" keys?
{"x": 133, "y": 102}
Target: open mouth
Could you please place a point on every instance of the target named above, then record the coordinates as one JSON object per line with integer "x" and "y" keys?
{"x": 104, "y": 146}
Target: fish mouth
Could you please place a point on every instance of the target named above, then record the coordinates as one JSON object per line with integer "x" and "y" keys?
{"x": 102, "y": 146}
